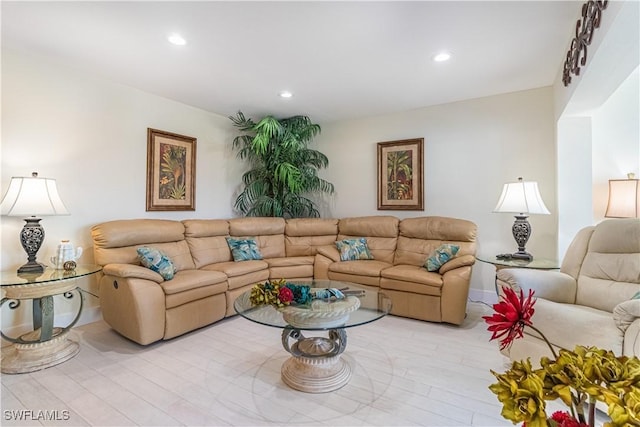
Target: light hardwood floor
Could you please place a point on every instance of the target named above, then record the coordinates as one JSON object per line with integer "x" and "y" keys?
{"x": 405, "y": 373}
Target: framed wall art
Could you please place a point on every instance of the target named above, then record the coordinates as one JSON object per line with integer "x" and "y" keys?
{"x": 171, "y": 171}
{"x": 400, "y": 175}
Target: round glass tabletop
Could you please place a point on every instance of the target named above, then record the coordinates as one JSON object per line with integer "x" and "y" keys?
{"x": 13, "y": 278}
{"x": 373, "y": 306}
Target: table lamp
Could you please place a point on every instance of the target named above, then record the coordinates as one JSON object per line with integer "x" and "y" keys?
{"x": 32, "y": 197}
{"x": 624, "y": 198}
{"x": 522, "y": 198}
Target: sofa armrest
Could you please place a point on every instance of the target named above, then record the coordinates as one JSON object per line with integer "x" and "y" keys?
{"x": 627, "y": 318}
{"x": 132, "y": 271}
{"x": 551, "y": 285}
{"x": 631, "y": 342}
{"x": 330, "y": 252}
{"x": 457, "y": 262}
{"x": 625, "y": 313}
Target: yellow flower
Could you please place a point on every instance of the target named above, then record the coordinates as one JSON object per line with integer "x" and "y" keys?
{"x": 520, "y": 390}
{"x": 579, "y": 378}
{"x": 626, "y": 412}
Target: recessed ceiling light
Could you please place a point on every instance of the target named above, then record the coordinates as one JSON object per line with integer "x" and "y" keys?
{"x": 442, "y": 56}
{"x": 285, "y": 94}
{"x": 177, "y": 39}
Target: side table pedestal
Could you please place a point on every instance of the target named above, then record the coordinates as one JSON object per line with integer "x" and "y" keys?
{"x": 23, "y": 358}
{"x": 45, "y": 345}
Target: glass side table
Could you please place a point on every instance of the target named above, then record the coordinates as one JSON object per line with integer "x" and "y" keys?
{"x": 535, "y": 263}
{"x": 46, "y": 345}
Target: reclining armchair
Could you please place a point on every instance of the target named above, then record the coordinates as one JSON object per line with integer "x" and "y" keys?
{"x": 591, "y": 301}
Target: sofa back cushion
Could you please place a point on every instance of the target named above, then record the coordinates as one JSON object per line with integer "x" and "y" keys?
{"x": 577, "y": 250}
{"x": 268, "y": 232}
{"x": 304, "y": 235}
{"x": 116, "y": 242}
{"x": 420, "y": 237}
{"x": 610, "y": 271}
{"x": 206, "y": 239}
{"x": 381, "y": 233}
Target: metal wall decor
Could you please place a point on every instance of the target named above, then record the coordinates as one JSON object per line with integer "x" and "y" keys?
{"x": 577, "y": 54}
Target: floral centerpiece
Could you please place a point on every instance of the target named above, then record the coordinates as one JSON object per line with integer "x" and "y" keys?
{"x": 302, "y": 306}
{"x": 279, "y": 293}
{"x": 579, "y": 378}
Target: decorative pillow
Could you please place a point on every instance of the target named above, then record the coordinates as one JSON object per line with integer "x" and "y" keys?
{"x": 244, "y": 249}
{"x": 441, "y": 255}
{"x": 155, "y": 260}
{"x": 353, "y": 249}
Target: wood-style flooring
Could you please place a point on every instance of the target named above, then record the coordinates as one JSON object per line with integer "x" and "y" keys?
{"x": 405, "y": 373}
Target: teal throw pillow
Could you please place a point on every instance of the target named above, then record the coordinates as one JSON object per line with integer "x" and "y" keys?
{"x": 244, "y": 249}
{"x": 157, "y": 261}
{"x": 353, "y": 249}
{"x": 636, "y": 295}
{"x": 440, "y": 256}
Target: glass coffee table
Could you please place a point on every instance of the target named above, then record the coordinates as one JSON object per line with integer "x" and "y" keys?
{"x": 315, "y": 365}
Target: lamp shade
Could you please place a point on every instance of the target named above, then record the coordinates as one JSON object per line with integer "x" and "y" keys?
{"x": 624, "y": 199}
{"x": 521, "y": 197}
{"x": 32, "y": 196}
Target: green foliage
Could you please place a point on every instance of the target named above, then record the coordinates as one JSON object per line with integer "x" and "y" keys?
{"x": 284, "y": 171}
{"x": 172, "y": 179}
{"x": 399, "y": 175}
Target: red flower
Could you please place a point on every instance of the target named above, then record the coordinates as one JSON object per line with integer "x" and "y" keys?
{"x": 510, "y": 317}
{"x": 564, "y": 419}
{"x": 285, "y": 295}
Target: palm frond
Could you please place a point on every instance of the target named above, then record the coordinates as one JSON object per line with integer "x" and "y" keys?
{"x": 241, "y": 122}
{"x": 282, "y": 166}
{"x": 268, "y": 126}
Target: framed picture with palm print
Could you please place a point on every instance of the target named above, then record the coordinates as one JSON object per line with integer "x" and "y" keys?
{"x": 171, "y": 171}
{"x": 400, "y": 173}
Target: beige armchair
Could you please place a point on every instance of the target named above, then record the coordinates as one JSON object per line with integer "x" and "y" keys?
{"x": 590, "y": 300}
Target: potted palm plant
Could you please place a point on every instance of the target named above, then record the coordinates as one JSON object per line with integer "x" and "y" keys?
{"x": 284, "y": 170}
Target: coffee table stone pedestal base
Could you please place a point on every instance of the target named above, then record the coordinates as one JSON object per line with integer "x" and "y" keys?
{"x": 316, "y": 375}
{"x": 315, "y": 365}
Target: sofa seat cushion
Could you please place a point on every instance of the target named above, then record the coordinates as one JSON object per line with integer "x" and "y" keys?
{"x": 588, "y": 326}
{"x": 412, "y": 273}
{"x": 412, "y": 279}
{"x": 205, "y": 283}
{"x": 359, "y": 268}
{"x": 233, "y": 269}
{"x": 195, "y": 294}
{"x": 190, "y": 279}
{"x": 297, "y": 267}
{"x": 290, "y": 261}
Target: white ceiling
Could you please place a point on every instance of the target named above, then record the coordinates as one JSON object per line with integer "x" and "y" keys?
{"x": 342, "y": 60}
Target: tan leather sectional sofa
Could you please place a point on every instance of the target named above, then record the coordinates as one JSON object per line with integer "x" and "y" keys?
{"x": 139, "y": 304}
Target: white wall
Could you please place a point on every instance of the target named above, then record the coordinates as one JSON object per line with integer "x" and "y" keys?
{"x": 613, "y": 53}
{"x": 605, "y": 97}
{"x": 616, "y": 140}
{"x": 575, "y": 197}
{"x": 471, "y": 149}
{"x": 91, "y": 136}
